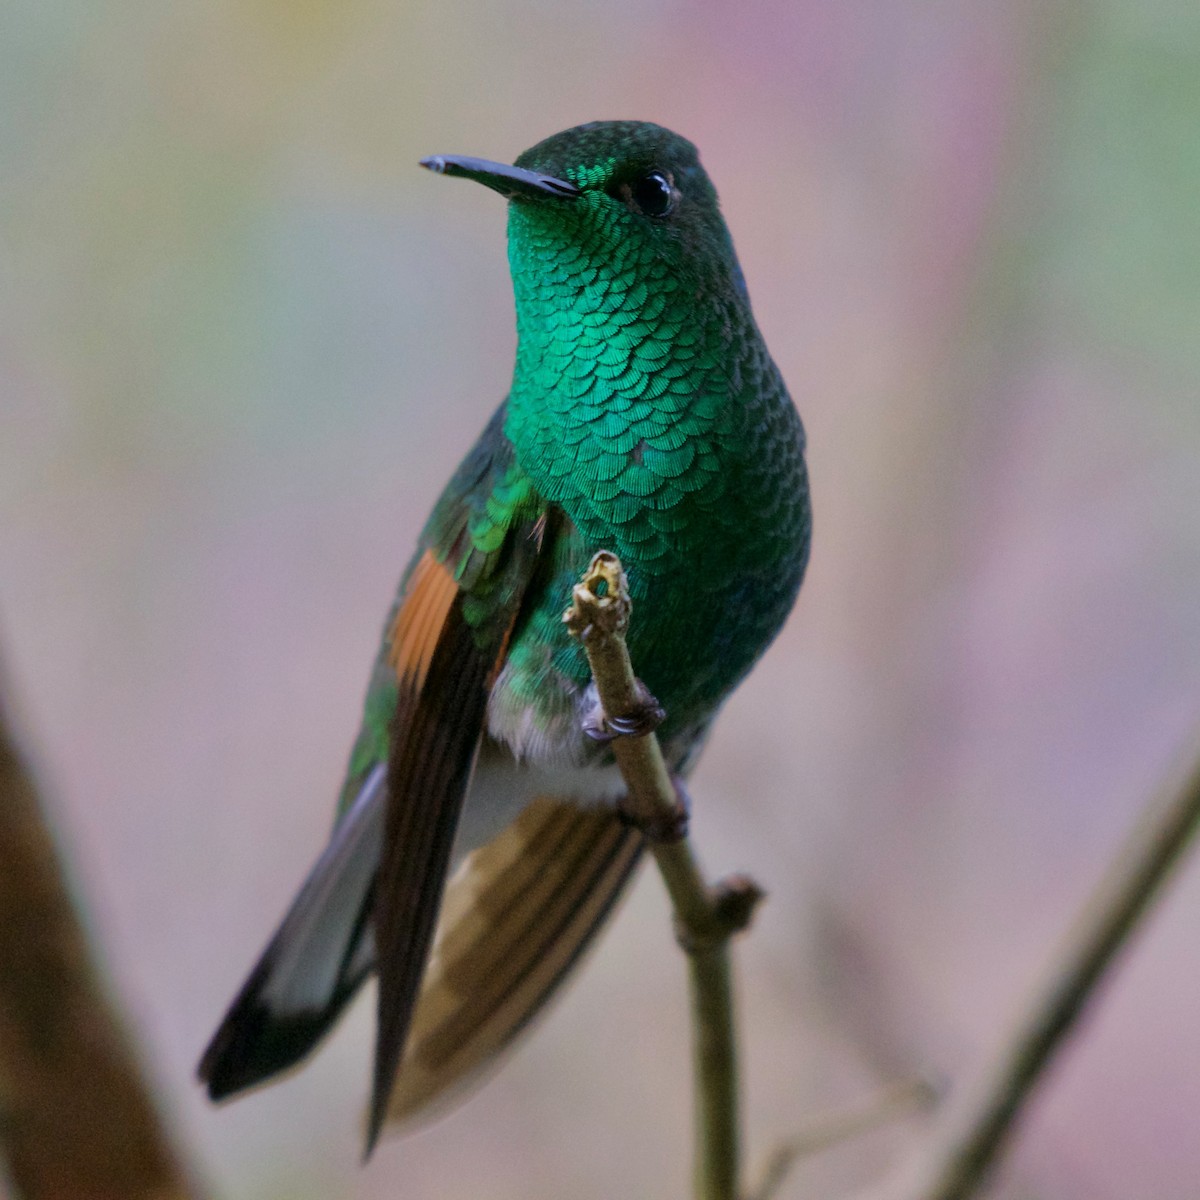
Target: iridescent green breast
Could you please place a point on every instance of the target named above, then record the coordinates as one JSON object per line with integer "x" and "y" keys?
{"x": 645, "y": 405}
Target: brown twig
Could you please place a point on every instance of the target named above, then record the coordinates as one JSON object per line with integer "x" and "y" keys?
{"x": 967, "y": 1146}
{"x": 76, "y": 1119}
{"x": 705, "y": 918}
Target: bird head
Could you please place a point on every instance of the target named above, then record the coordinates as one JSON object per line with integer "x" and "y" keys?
{"x": 610, "y": 202}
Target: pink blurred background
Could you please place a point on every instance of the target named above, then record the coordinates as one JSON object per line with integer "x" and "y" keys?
{"x": 243, "y": 341}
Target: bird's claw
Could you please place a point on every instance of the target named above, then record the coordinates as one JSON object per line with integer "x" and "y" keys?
{"x": 663, "y": 828}
{"x": 645, "y": 718}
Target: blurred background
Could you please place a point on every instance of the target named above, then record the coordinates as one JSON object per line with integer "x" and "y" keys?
{"x": 243, "y": 342}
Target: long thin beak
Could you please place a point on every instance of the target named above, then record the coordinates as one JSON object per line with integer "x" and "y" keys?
{"x": 508, "y": 181}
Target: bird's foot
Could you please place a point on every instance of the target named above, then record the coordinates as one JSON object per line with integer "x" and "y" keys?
{"x": 663, "y": 827}
{"x": 644, "y": 718}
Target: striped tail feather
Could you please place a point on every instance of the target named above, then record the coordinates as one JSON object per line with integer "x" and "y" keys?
{"x": 515, "y": 917}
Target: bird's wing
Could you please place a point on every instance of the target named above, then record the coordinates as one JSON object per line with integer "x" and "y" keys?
{"x": 448, "y": 644}
{"x": 377, "y": 887}
{"x": 517, "y": 914}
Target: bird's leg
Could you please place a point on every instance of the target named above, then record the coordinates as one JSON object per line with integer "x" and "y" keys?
{"x": 665, "y": 827}
{"x": 645, "y": 716}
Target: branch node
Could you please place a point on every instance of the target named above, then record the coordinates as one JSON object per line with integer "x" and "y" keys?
{"x": 735, "y": 900}
{"x": 600, "y": 604}
{"x": 730, "y": 909}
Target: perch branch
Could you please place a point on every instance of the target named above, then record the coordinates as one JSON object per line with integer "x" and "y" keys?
{"x": 76, "y": 1118}
{"x": 705, "y": 917}
{"x": 966, "y": 1148}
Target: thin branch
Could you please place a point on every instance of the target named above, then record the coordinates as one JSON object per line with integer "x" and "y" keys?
{"x": 832, "y": 1129}
{"x": 958, "y": 1162}
{"x": 705, "y": 918}
{"x": 76, "y": 1118}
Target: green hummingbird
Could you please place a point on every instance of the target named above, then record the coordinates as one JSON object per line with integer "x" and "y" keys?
{"x": 479, "y": 843}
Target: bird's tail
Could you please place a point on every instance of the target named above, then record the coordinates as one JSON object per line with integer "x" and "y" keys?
{"x": 516, "y": 916}
{"x": 313, "y": 965}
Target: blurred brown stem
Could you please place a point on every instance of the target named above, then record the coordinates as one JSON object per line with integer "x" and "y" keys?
{"x": 76, "y": 1119}
{"x": 967, "y": 1146}
{"x": 832, "y": 1129}
{"x": 705, "y": 918}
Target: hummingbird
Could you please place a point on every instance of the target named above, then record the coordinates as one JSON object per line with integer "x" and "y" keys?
{"x": 480, "y": 841}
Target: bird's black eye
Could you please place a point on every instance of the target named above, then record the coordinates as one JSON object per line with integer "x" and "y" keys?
{"x": 653, "y": 194}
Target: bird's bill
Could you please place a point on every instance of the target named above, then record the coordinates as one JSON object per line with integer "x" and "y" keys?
{"x": 508, "y": 181}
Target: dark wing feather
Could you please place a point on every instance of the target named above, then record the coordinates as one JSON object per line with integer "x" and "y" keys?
{"x": 492, "y": 550}
{"x": 435, "y": 736}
